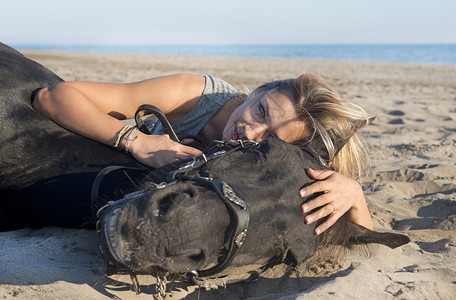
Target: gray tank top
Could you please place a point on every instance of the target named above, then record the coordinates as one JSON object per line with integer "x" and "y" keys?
{"x": 216, "y": 93}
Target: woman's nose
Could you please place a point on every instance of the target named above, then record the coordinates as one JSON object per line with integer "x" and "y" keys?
{"x": 255, "y": 131}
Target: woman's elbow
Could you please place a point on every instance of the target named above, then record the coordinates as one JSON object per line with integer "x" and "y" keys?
{"x": 40, "y": 98}
{"x": 46, "y": 100}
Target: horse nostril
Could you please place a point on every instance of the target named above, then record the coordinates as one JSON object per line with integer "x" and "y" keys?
{"x": 197, "y": 257}
{"x": 164, "y": 204}
{"x": 194, "y": 254}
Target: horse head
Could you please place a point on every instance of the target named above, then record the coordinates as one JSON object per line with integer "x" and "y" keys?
{"x": 184, "y": 226}
{"x": 185, "y": 223}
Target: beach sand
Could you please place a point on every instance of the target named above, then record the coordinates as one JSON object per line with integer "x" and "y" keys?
{"x": 412, "y": 189}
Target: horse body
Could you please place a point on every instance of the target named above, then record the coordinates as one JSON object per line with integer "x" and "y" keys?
{"x": 46, "y": 172}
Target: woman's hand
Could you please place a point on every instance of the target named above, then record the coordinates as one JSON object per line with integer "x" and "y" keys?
{"x": 340, "y": 195}
{"x": 159, "y": 150}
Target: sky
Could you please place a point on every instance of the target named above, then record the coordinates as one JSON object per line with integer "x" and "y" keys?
{"x": 202, "y": 22}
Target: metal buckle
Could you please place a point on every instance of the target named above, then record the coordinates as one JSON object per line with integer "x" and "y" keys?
{"x": 241, "y": 143}
{"x": 164, "y": 184}
{"x": 229, "y": 193}
{"x": 240, "y": 239}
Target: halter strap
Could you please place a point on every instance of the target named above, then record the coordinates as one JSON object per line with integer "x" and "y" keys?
{"x": 239, "y": 216}
{"x": 237, "y": 208}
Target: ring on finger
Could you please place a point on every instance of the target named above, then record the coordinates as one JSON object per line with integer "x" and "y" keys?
{"x": 334, "y": 207}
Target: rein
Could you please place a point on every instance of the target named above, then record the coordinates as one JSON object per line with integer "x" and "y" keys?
{"x": 147, "y": 108}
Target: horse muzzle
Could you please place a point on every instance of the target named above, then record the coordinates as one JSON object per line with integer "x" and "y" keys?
{"x": 111, "y": 243}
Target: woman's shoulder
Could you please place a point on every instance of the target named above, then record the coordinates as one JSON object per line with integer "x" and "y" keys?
{"x": 217, "y": 89}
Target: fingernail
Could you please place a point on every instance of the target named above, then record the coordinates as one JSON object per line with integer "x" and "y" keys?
{"x": 302, "y": 193}
{"x": 305, "y": 208}
{"x": 317, "y": 231}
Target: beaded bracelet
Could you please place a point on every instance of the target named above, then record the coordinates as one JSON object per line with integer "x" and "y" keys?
{"x": 129, "y": 140}
{"x": 121, "y": 133}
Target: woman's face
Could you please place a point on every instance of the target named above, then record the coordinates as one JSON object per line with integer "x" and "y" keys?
{"x": 263, "y": 116}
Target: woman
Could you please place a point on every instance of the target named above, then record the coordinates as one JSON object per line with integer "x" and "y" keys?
{"x": 294, "y": 110}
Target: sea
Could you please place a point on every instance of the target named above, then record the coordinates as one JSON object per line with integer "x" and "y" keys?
{"x": 431, "y": 54}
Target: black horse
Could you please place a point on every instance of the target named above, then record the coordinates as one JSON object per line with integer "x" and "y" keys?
{"x": 46, "y": 172}
{"x": 238, "y": 204}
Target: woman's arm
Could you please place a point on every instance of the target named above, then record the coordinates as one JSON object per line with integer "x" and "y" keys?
{"x": 340, "y": 195}
{"x": 94, "y": 109}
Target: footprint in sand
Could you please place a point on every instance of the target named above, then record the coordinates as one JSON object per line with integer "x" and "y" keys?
{"x": 439, "y": 214}
{"x": 419, "y": 180}
{"x": 404, "y": 175}
{"x": 430, "y": 188}
{"x": 396, "y": 121}
{"x": 440, "y": 246}
{"x": 398, "y": 113}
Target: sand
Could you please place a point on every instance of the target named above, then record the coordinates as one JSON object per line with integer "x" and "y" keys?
{"x": 412, "y": 189}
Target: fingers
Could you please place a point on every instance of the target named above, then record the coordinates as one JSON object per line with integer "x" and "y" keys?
{"x": 179, "y": 148}
{"x": 319, "y": 186}
{"x": 181, "y": 152}
{"x": 187, "y": 141}
{"x": 319, "y": 174}
{"x": 166, "y": 157}
{"x": 334, "y": 195}
{"x": 189, "y": 150}
{"x": 158, "y": 150}
{"x": 324, "y": 205}
{"x": 326, "y": 224}
{"x": 329, "y": 210}
{"x": 315, "y": 203}
{"x": 324, "y": 211}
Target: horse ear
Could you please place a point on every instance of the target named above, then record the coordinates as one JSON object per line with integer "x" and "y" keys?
{"x": 361, "y": 235}
{"x": 317, "y": 145}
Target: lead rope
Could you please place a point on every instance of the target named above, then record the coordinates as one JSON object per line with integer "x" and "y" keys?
{"x": 147, "y": 108}
{"x": 160, "y": 286}
{"x": 135, "y": 283}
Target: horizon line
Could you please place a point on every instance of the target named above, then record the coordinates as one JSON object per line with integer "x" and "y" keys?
{"x": 233, "y": 44}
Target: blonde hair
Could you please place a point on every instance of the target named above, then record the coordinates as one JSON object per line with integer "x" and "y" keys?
{"x": 332, "y": 122}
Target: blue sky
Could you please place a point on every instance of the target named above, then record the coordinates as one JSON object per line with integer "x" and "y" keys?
{"x": 227, "y": 22}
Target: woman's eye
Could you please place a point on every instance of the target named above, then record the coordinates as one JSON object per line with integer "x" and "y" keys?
{"x": 262, "y": 110}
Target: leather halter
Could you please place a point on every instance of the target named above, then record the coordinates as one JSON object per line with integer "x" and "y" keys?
{"x": 237, "y": 208}
{"x": 239, "y": 216}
